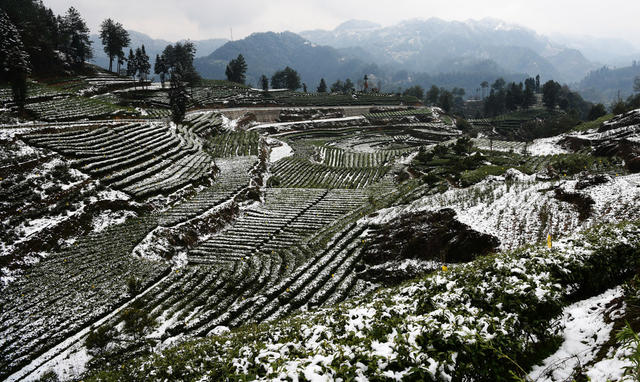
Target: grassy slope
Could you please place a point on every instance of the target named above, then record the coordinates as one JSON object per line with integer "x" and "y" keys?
{"x": 482, "y": 321}
{"x": 593, "y": 124}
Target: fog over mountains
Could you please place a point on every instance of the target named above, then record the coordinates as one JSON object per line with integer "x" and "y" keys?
{"x": 425, "y": 52}
{"x": 434, "y": 44}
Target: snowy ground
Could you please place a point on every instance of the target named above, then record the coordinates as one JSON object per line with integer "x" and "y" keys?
{"x": 281, "y": 151}
{"x": 525, "y": 211}
{"x": 585, "y": 331}
{"x": 69, "y": 358}
{"x": 547, "y": 146}
{"x": 291, "y": 124}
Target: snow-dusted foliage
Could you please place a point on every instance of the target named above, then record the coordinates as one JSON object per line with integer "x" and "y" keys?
{"x": 477, "y": 321}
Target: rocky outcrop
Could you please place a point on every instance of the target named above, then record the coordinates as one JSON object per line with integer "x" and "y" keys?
{"x": 426, "y": 236}
{"x": 592, "y": 180}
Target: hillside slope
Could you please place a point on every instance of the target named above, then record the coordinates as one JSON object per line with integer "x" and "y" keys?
{"x": 268, "y": 52}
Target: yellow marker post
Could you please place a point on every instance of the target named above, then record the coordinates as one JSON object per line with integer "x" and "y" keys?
{"x": 549, "y": 241}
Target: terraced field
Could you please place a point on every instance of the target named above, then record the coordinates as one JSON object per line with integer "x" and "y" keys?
{"x": 226, "y": 233}
{"x": 301, "y": 173}
{"x": 273, "y": 258}
{"x": 266, "y": 264}
{"x": 285, "y": 219}
{"x": 142, "y": 159}
{"x": 71, "y": 290}
{"x": 335, "y": 157}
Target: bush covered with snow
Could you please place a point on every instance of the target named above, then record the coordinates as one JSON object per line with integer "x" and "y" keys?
{"x": 486, "y": 320}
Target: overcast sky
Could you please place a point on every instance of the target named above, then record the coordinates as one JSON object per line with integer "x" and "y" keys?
{"x": 203, "y": 19}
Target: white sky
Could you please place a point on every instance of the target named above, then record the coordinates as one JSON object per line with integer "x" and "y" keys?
{"x": 203, "y": 19}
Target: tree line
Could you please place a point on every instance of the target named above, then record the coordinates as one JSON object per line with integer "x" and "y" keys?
{"x": 44, "y": 43}
{"x": 287, "y": 78}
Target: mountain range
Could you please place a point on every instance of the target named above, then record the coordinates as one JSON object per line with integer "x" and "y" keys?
{"x": 268, "y": 52}
{"x": 424, "y": 52}
{"x": 430, "y": 45}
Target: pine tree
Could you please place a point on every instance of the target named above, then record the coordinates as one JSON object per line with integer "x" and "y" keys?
{"x": 264, "y": 82}
{"x": 348, "y": 86}
{"x": 40, "y": 32}
{"x": 178, "y": 97}
{"x": 432, "y": 95}
{"x": 132, "y": 65}
{"x": 236, "y": 70}
{"x": 142, "y": 62}
{"x": 445, "y": 100}
{"x": 14, "y": 60}
{"x": 529, "y": 97}
{"x": 181, "y": 54}
{"x": 160, "y": 68}
{"x": 121, "y": 60}
{"x": 322, "y": 88}
{"x": 114, "y": 38}
{"x": 286, "y": 78}
{"x": 337, "y": 87}
{"x": 551, "y": 94}
{"x": 77, "y": 43}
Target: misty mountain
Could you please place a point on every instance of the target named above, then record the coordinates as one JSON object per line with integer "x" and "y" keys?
{"x": 604, "y": 50}
{"x": 427, "y": 45}
{"x": 265, "y": 53}
{"x": 605, "y": 84}
{"x": 152, "y": 46}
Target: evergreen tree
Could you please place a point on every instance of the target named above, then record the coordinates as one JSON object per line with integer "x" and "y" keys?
{"x": 445, "y": 100}
{"x": 121, "y": 61}
{"x": 77, "y": 43}
{"x": 304, "y": 87}
{"x": 160, "y": 68}
{"x": 337, "y": 87}
{"x": 137, "y": 322}
{"x": 142, "y": 63}
{"x": 322, "y": 88}
{"x": 529, "y": 97}
{"x": 499, "y": 84}
{"x": 39, "y": 31}
{"x": 14, "y": 60}
{"x": 114, "y": 38}
{"x": 458, "y": 97}
{"x": 514, "y": 96}
{"x": 264, "y": 83}
{"x": 538, "y": 83}
{"x": 551, "y": 94}
{"x": 181, "y": 54}
{"x": 132, "y": 65}
{"x": 432, "y": 95}
{"x": 636, "y": 84}
{"x": 286, "y": 78}
{"x": 236, "y": 70}
{"x": 597, "y": 111}
{"x": 416, "y": 91}
{"x": 348, "y": 86}
{"x": 178, "y": 97}
{"x": 494, "y": 104}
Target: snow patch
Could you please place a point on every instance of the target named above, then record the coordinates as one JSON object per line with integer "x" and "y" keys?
{"x": 585, "y": 331}
{"x": 283, "y": 150}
